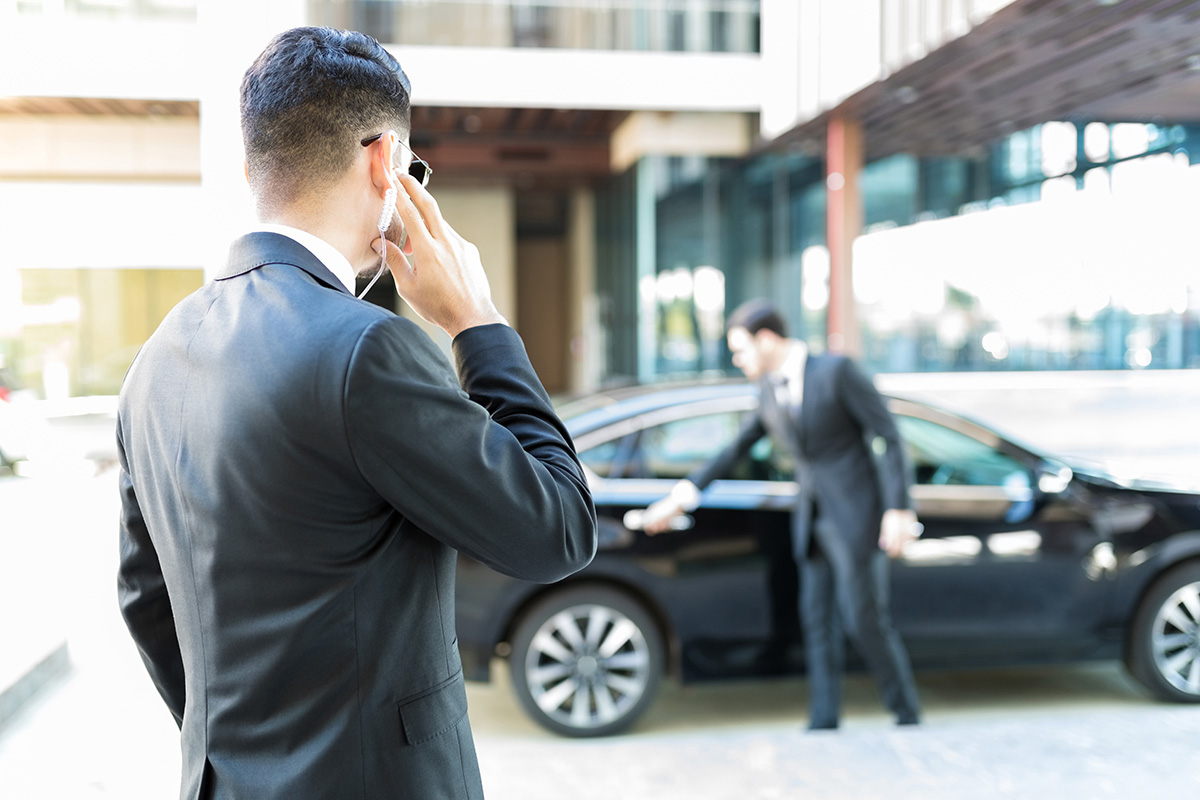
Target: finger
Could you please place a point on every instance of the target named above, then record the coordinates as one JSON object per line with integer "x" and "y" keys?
{"x": 419, "y": 233}
{"x": 395, "y": 255}
{"x": 425, "y": 204}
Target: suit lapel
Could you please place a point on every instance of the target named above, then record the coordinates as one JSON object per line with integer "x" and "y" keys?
{"x": 801, "y": 414}
{"x": 772, "y": 414}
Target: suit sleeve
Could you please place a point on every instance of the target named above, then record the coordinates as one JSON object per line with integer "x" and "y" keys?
{"x": 752, "y": 430}
{"x": 481, "y": 463}
{"x": 864, "y": 403}
{"x": 142, "y": 594}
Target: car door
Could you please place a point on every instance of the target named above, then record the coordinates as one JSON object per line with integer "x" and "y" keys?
{"x": 1003, "y": 568}
{"x": 727, "y": 577}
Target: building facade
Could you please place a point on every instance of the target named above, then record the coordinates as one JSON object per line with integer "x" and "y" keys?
{"x": 931, "y": 184}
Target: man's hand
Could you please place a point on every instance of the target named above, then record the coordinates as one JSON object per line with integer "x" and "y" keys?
{"x": 657, "y": 518}
{"x": 445, "y": 283}
{"x": 899, "y": 527}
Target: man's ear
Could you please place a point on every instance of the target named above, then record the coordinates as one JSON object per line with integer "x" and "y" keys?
{"x": 246, "y": 170}
{"x": 381, "y": 162}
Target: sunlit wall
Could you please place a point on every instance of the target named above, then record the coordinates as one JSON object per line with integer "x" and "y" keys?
{"x": 79, "y": 329}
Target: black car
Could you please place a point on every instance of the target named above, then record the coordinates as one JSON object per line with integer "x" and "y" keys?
{"x": 1023, "y": 560}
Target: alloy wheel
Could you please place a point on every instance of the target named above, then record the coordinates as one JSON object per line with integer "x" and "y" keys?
{"x": 1176, "y": 639}
{"x": 587, "y": 666}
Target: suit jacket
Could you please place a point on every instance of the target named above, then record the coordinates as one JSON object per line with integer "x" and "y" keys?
{"x": 831, "y": 439}
{"x": 298, "y": 468}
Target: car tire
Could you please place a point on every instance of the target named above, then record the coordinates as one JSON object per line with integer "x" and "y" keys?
{"x": 1163, "y": 651}
{"x": 586, "y": 661}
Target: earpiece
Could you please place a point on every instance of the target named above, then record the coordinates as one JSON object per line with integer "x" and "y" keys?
{"x": 385, "y": 217}
{"x": 389, "y": 208}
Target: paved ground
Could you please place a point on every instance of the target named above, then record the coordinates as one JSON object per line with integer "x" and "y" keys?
{"x": 1075, "y": 732}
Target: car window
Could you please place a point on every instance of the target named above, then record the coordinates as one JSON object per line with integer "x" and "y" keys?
{"x": 600, "y": 458}
{"x": 942, "y": 456}
{"x": 675, "y": 449}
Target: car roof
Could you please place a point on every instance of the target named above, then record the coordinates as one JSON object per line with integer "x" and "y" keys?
{"x": 590, "y": 412}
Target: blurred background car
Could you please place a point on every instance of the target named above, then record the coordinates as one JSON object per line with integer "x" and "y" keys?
{"x": 1025, "y": 559}
{"x": 67, "y": 436}
{"x": 14, "y": 424}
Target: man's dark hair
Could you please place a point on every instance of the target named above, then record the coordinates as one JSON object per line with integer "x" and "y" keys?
{"x": 307, "y": 102}
{"x": 757, "y": 315}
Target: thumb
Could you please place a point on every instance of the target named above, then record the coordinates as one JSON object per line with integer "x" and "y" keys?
{"x": 400, "y": 267}
{"x": 394, "y": 253}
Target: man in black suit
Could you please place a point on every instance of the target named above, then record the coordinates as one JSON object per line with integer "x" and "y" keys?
{"x": 852, "y": 509}
{"x": 299, "y": 467}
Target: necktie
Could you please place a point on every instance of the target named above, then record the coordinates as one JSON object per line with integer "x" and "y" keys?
{"x": 779, "y": 386}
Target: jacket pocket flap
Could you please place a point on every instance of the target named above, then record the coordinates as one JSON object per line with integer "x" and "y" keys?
{"x": 434, "y": 711}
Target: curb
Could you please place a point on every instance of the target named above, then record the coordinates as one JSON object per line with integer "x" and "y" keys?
{"x": 13, "y": 697}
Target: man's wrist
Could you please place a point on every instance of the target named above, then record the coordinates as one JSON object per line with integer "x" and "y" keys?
{"x": 904, "y": 521}
{"x": 492, "y": 317}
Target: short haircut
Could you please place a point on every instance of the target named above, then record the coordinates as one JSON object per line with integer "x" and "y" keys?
{"x": 757, "y": 315}
{"x": 307, "y": 102}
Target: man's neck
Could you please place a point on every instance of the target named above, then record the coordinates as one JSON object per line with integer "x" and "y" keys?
{"x": 327, "y": 222}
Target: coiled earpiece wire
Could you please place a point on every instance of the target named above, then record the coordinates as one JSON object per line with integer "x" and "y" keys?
{"x": 385, "y": 222}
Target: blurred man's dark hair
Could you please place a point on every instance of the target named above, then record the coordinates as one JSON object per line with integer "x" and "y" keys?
{"x": 307, "y": 102}
{"x": 757, "y": 315}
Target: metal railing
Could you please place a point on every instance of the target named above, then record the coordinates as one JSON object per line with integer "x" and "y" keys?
{"x": 658, "y": 25}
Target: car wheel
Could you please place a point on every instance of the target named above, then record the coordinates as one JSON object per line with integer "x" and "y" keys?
{"x": 586, "y": 661}
{"x": 1164, "y": 645}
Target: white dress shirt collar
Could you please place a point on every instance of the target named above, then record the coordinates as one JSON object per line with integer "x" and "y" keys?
{"x": 326, "y": 253}
{"x": 792, "y": 371}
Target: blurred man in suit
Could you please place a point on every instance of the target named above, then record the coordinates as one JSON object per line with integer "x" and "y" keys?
{"x": 299, "y": 467}
{"x": 851, "y": 512}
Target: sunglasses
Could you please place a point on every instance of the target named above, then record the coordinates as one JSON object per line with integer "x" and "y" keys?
{"x": 419, "y": 168}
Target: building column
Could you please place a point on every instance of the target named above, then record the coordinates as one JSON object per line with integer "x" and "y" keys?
{"x": 844, "y": 222}
{"x": 583, "y": 323}
{"x": 646, "y": 261}
{"x": 790, "y": 50}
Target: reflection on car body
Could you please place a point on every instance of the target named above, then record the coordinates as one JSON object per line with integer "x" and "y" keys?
{"x": 1023, "y": 559}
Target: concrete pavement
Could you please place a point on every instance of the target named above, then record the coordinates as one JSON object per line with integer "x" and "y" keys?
{"x": 1076, "y": 731}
